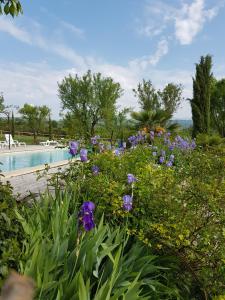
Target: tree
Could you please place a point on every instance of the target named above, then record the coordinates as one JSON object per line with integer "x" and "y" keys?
{"x": 89, "y": 99}
{"x": 171, "y": 97}
{"x": 2, "y": 106}
{"x": 218, "y": 106}
{"x": 36, "y": 116}
{"x": 147, "y": 95}
{"x": 12, "y": 7}
{"x": 154, "y": 111}
{"x": 202, "y": 88}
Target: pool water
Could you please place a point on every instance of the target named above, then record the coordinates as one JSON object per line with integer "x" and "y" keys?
{"x": 16, "y": 161}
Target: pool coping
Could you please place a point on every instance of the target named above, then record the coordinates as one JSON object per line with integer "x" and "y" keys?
{"x": 31, "y": 150}
{"x": 25, "y": 171}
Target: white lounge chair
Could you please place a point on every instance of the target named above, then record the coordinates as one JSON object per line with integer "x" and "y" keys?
{"x": 9, "y": 140}
{"x": 49, "y": 143}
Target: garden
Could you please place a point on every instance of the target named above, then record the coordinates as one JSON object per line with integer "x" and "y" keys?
{"x": 141, "y": 222}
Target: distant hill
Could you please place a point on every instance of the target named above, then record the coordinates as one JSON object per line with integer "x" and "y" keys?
{"x": 184, "y": 123}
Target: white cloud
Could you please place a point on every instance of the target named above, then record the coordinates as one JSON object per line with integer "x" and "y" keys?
{"x": 18, "y": 33}
{"x": 188, "y": 20}
{"x": 152, "y": 60}
{"x": 76, "y": 30}
{"x": 191, "y": 19}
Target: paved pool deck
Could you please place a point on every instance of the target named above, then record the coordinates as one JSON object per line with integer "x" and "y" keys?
{"x": 24, "y": 181}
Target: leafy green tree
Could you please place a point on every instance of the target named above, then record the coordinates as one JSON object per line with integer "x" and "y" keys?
{"x": 13, "y": 125}
{"x": 89, "y": 99}
{"x": 171, "y": 97}
{"x": 2, "y": 106}
{"x": 12, "y": 7}
{"x": 218, "y": 106}
{"x": 36, "y": 116}
{"x": 148, "y": 97}
{"x": 202, "y": 89}
{"x": 155, "y": 110}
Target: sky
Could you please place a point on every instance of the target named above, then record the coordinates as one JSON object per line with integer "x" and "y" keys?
{"x": 126, "y": 39}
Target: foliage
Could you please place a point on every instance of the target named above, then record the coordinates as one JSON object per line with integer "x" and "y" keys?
{"x": 171, "y": 97}
{"x": 218, "y": 106}
{"x": 11, "y": 235}
{"x": 89, "y": 99}
{"x": 105, "y": 263}
{"x": 12, "y": 7}
{"x": 202, "y": 89}
{"x": 35, "y": 116}
{"x": 206, "y": 140}
{"x": 2, "y": 106}
{"x": 147, "y": 96}
{"x": 177, "y": 210}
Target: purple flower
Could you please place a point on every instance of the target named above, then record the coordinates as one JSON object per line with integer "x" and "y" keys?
{"x": 73, "y": 148}
{"x": 83, "y": 155}
{"x": 117, "y": 152}
{"x": 127, "y": 202}
{"x": 131, "y": 178}
{"x": 154, "y": 153}
{"x": 169, "y": 163}
{"x": 88, "y": 206}
{"x": 73, "y": 151}
{"x": 86, "y": 216}
{"x": 161, "y": 159}
{"x": 95, "y": 170}
{"x": 94, "y": 140}
{"x": 171, "y": 147}
{"x": 152, "y": 133}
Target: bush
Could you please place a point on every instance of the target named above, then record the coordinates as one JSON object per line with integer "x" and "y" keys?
{"x": 177, "y": 210}
{"x": 11, "y": 236}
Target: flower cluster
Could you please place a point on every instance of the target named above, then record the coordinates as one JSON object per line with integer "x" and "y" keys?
{"x": 135, "y": 139}
{"x": 86, "y": 215}
{"x": 73, "y": 148}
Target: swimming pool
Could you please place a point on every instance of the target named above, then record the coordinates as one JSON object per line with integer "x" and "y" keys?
{"x": 16, "y": 161}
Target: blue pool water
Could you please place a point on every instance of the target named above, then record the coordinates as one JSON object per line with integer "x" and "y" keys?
{"x": 16, "y": 161}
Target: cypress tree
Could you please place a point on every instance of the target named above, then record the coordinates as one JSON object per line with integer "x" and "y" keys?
{"x": 202, "y": 88}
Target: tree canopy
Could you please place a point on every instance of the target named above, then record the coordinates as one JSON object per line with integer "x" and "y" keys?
{"x": 202, "y": 88}
{"x": 89, "y": 99}
{"x": 35, "y": 117}
{"x": 218, "y": 106}
{"x": 10, "y": 7}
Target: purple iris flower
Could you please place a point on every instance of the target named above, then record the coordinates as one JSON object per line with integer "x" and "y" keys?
{"x": 95, "y": 170}
{"x": 169, "y": 163}
{"x": 154, "y": 153}
{"x": 161, "y": 159}
{"x": 127, "y": 202}
{"x": 94, "y": 140}
{"x": 131, "y": 178}
{"x": 73, "y": 148}
{"x": 83, "y": 155}
{"x": 117, "y": 152}
{"x": 86, "y": 215}
{"x": 171, "y": 147}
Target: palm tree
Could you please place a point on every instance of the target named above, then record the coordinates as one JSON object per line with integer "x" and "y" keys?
{"x": 151, "y": 119}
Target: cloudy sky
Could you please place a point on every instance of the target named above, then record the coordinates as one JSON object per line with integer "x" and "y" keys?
{"x": 126, "y": 39}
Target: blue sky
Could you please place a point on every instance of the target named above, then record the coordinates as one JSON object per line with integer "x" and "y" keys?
{"x": 126, "y": 39}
